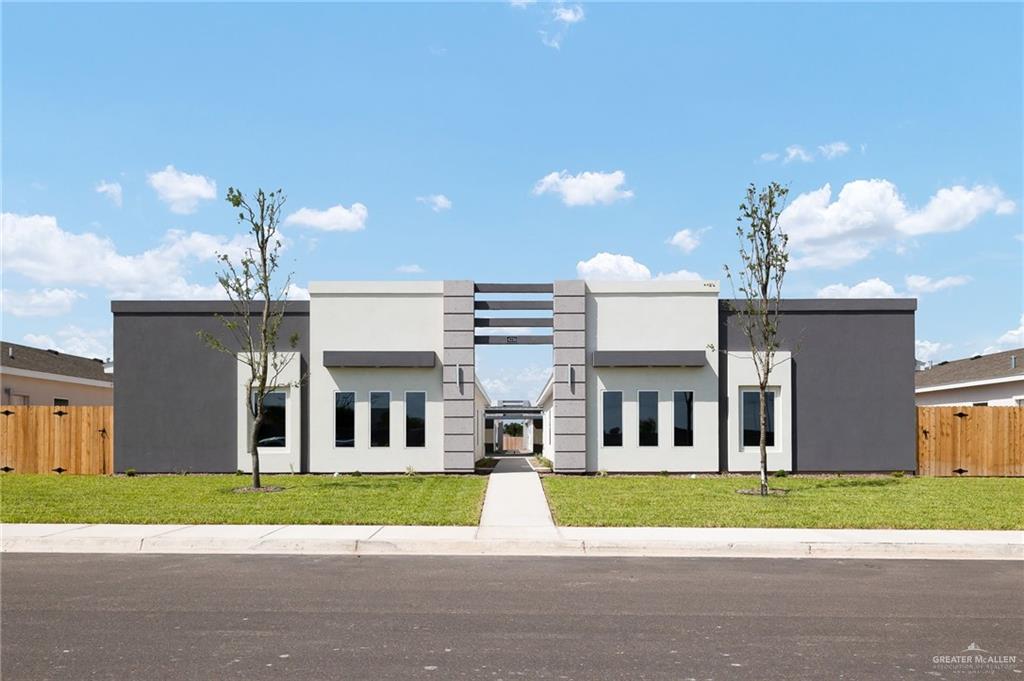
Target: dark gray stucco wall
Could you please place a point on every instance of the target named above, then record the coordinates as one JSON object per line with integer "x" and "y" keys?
{"x": 175, "y": 400}
{"x": 853, "y": 382}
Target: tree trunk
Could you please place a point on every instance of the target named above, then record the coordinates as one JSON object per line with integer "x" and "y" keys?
{"x": 254, "y": 451}
{"x": 764, "y": 443}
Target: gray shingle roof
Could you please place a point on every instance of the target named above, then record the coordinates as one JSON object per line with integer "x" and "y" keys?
{"x": 977, "y": 368}
{"x": 52, "y": 362}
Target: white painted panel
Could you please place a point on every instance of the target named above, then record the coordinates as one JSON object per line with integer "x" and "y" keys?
{"x": 702, "y": 456}
{"x": 285, "y": 459}
{"x": 743, "y": 375}
{"x": 369, "y": 317}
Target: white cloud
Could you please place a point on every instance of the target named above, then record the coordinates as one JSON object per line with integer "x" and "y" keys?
{"x": 49, "y": 302}
{"x": 523, "y": 383}
{"x": 586, "y": 188}
{"x": 795, "y": 152}
{"x": 74, "y": 340}
{"x": 568, "y": 15}
{"x": 611, "y": 266}
{"x": 679, "y": 275}
{"x": 334, "y": 219}
{"x": 296, "y": 292}
{"x": 1014, "y": 338}
{"x": 768, "y": 156}
{"x": 687, "y": 240}
{"x": 437, "y": 202}
{"x": 953, "y": 208}
{"x": 614, "y": 267}
{"x": 37, "y": 247}
{"x": 875, "y": 287}
{"x": 869, "y": 213}
{"x": 919, "y": 283}
{"x": 870, "y": 288}
{"x": 926, "y": 351}
{"x": 112, "y": 190}
{"x": 182, "y": 191}
{"x": 410, "y": 269}
{"x": 834, "y": 149}
{"x": 521, "y": 4}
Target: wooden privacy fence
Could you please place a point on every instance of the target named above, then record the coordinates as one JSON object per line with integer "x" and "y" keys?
{"x": 78, "y": 440}
{"x": 970, "y": 441}
{"x": 512, "y": 443}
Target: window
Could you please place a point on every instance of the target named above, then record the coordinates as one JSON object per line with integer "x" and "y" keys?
{"x": 682, "y": 405}
{"x": 272, "y": 429}
{"x": 647, "y": 410}
{"x": 380, "y": 419}
{"x": 612, "y": 410}
{"x": 416, "y": 419}
{"x": 751, "y": 418}
{"x": 344, "y": 419}
{"x": 61, "y": 402}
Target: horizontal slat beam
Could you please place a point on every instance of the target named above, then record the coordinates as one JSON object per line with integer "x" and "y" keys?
{"x": 377, "y": 359}
{"x": 514, "y": 340}
{"x": 515, "y": 322}
{"x": 515, "y": 288}
{"x": 648, "y": 358}
{"x": 514, "y": 305}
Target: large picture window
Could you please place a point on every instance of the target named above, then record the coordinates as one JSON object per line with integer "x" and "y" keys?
{"x": 682, "y": 405}
{"x": 647, "y": 413}
{"x": 380, "y": 419}
{"x": 272, "y": 432}
{"x": 751, "y": 418}
{"x": 344, "y": 419}
{"x": 612, "y": 416}
{"x": 416, "y": 419}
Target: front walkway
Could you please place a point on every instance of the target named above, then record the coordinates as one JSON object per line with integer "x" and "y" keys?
{"x": 515, "y": 506}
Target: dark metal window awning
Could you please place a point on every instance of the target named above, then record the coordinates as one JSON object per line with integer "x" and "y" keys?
{"x": 405, "y": 359}
{"x": 649, "y": 358}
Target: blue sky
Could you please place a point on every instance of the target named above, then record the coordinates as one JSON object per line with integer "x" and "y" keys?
{"x": 507, "y": 142}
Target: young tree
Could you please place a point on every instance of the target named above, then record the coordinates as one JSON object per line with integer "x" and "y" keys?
{"x": 764, "y": 252}
{"x": 257, "y": 308}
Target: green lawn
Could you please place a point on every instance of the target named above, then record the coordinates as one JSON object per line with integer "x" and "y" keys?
{"x": 821, "y": 502}
{"x": 208, "y": 499}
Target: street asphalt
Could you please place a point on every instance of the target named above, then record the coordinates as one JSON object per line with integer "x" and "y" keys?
{"x": 91, "y": 616}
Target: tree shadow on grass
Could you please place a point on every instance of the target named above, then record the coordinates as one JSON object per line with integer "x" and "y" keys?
{"x": 852, "y": 482}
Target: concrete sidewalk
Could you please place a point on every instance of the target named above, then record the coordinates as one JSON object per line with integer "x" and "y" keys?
{"x": 515, "y": 507}
{"x": 559, "y": 541}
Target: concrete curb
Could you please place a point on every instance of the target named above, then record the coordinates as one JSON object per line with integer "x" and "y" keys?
{"x": 526, "y": 541}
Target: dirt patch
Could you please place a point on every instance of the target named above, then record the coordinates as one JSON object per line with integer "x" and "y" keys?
{"x": 771, "y": 491}
{"x": 257, "y": 490}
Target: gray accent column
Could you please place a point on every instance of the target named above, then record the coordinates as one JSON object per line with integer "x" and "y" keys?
{"x": 458, "y": 377}
{"x": 570, "y": 382}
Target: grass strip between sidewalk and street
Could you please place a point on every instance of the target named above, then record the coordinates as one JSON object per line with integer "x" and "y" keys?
{"x": 210, "y": 499}
{"x": 875, "y": 502}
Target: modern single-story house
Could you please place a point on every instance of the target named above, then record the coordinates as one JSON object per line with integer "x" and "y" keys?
{"x": 36, "y": 377}
{"x": 646, "y": 376}
{"x": 994, "y": 380}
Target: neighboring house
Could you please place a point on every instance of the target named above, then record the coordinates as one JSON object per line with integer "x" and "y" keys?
{"x": 995, "y": 380}
{"x": 647, "y": 376}
{"x": 31, "y": 376}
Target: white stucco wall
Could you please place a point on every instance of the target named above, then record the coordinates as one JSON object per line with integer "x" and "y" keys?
{"x": 375, "y": 316}
{"x": 480, "y": 402}
{"x": 642, "y": 316}
{"x": 743, "y": 375}
{"x": 285, "y": 459}
{"x": 1001, "y": 394}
